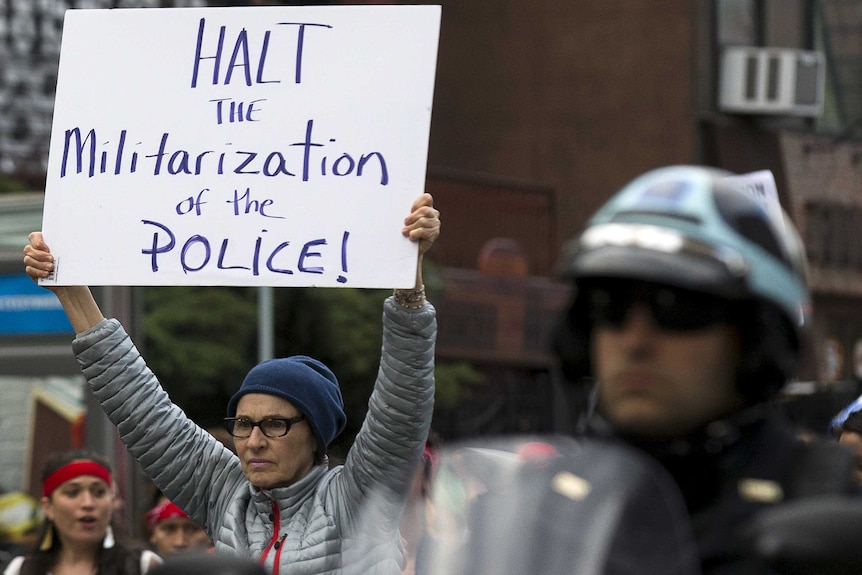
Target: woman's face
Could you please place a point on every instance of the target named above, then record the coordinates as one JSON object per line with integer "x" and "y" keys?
{"x": 81, "y": 510}
{"x": 270, "y": 462}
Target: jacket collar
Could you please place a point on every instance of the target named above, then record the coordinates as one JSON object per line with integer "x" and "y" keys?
{"x": 712, "y": 439}
{"x": 288, "y": 498}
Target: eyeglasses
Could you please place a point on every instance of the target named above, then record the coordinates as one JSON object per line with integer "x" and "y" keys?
{"x": 672, "y": 309}
{"x": 271, "y": 427}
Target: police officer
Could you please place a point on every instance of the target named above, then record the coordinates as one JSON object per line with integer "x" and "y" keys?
{"x": 690, "y": 312}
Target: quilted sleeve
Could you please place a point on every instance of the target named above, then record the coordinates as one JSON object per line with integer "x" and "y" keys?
{"x": 380, "y": 465}
{"x": 189, "y": 465}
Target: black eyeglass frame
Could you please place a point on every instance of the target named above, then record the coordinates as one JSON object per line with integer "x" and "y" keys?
{"x": 230, "y": 425}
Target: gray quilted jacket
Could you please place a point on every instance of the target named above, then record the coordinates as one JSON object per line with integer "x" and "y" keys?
{"x": 340, "y": 520}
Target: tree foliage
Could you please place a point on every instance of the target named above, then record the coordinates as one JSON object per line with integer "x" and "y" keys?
{"x": 10, "y": 183}
{"x": 200, "y": 342}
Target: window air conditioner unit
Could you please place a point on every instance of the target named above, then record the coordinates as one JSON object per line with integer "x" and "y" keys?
{"x": 771, "y": 81}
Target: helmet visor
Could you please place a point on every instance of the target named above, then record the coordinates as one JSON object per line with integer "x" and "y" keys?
{"x": 660, "y": 255}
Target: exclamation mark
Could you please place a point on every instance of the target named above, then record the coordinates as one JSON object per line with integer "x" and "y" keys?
{"x": 342, "y": 279}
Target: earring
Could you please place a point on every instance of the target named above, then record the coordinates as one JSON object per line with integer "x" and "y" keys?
{"x": 47, "y": 539}
{"x": 108, "y": 541}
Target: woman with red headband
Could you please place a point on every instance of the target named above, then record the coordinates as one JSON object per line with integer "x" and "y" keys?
{"x": 77, "y": 537}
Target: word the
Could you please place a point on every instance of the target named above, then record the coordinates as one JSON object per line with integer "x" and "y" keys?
{"x": 241, "y": 203}
{"x": 230, "y": 111}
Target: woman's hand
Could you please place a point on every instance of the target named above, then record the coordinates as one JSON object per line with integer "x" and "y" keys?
{"x": 422, "y": 226}
{"x": 38, "y": 260}
{"x": 77, "y": 301}
{"x": 423, "y": 223}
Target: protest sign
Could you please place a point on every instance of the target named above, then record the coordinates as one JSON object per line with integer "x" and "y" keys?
{"x": 268, "y": 146}
{"x": 760, "y": 186}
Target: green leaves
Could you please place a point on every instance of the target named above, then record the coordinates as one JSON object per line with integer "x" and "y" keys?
{"x": 200, "y": 342}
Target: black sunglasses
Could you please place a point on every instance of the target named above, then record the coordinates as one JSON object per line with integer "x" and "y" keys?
{"x": 272, "y": 427}
{"x": 672, "y": 309}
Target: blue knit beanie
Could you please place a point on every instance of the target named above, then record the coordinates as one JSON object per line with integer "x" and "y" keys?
{"x": 306, "y": 383}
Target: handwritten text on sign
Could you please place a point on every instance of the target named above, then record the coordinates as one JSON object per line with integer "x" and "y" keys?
{"x": 240, "y": 146}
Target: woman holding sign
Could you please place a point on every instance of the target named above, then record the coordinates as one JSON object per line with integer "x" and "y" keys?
{"x": 276, "y": 499}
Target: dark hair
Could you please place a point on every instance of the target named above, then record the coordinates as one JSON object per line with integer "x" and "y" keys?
{"x": 58, "y": 459}
{"x": 770, "y": 351}
{"x": 198, "y": 563}
{"x": 157, "y": 497}
{"x": 123, "y": 558}
{"x": 853, "y": 424}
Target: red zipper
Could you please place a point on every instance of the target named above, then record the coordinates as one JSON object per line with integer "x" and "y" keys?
{"x": 274, "y": 542}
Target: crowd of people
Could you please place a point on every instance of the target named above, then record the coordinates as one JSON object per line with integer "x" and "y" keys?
{"x": 690, "y": 311}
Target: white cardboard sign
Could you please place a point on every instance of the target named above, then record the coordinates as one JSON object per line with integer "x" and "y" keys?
{"x": 760, "y": 186}
{"x": 278, "y": 146}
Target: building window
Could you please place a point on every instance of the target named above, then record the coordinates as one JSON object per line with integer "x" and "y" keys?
{"x": 838, "y": 33}
{"x": 736, "y": 23}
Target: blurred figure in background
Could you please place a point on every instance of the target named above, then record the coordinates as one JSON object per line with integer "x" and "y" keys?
{"x": 849, "y": 434}
{"x": 414, "y": 522}
{"x": 77, "y": 535}
{"x": 171, "y": 531}
{"x": 197, "y": 563}
{"x": 20, "y": 518}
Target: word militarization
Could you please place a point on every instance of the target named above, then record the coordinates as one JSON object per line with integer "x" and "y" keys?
{"x": 82, "y": 149}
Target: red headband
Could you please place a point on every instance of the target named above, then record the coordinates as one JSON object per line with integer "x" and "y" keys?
{"x": 73, "y": 470}
{"x": 166, "y": 510}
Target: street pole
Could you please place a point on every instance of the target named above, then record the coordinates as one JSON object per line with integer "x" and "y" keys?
{"x": 265, "y": 324}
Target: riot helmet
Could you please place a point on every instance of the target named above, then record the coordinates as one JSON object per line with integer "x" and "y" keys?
{"x": 697, "y": 229}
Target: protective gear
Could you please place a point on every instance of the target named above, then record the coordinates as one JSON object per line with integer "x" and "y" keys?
{"x": 695, "y": 228}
